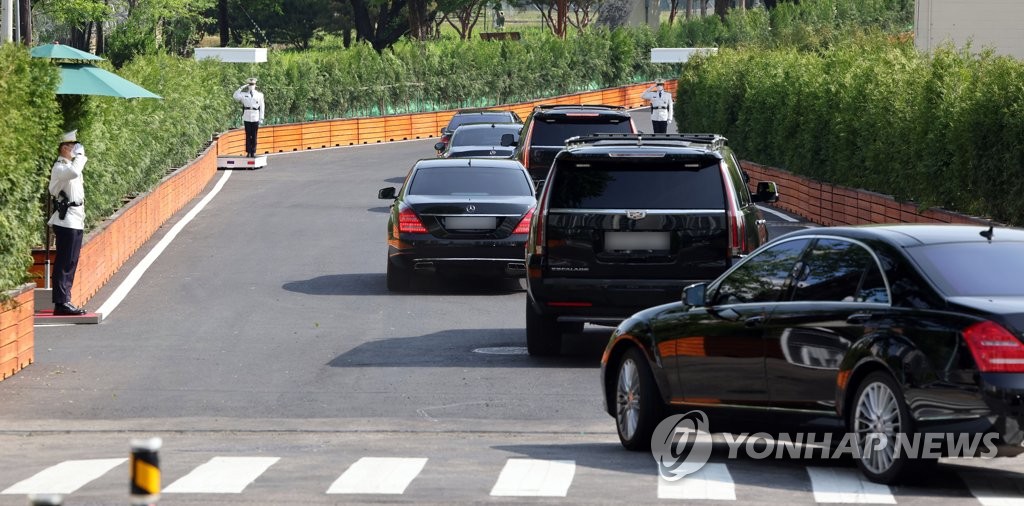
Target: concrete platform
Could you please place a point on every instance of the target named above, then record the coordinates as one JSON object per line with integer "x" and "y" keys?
{"x": 46, "y": 317}
{"x": 241, "y": 162}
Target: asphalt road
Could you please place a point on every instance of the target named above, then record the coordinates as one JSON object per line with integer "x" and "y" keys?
{"x": 263, "y": 347}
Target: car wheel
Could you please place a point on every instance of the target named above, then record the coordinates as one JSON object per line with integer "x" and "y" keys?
{"x": 398, "y": 278}
{"x": 638, "y": 406}
{"x": 880, "y": 411}
{"x": 543, "y": 336}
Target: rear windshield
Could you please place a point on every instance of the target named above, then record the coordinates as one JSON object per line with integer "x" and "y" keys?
{"x": 486, "y": 117}
{"x": 974, "y": 269}
{"x": 555, "y": 134}
{"x": 482, "y": 136}
{"x": 479, "y": 181}
{"x": 618, "y": 186}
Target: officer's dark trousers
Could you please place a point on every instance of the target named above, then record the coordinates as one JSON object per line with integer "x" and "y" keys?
{"x": 251, "y": 128}
{"x": 660, "y": 127}
{"x": 69, "y": 245}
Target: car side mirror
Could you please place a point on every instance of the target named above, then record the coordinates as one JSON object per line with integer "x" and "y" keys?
{"x": 767, "y": 191}
{"x": 695, "y": 295}
{"x": 508, "y": 140}
{"x": 439, "y": 146}
{"x": 386, "y": 193}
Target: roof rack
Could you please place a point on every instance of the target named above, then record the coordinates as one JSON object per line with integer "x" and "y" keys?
{"x": 712, "y": 141}
{"x": 548, "y": 107}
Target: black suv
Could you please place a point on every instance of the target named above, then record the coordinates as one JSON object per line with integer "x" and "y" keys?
{"x": 548, "y": 126}
{"x": 626, "y": 221}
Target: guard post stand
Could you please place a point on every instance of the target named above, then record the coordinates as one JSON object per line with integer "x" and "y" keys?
{"x": 236, "y": 55}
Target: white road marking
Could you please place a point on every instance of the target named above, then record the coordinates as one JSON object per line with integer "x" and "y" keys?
{"x": 222, "y": 475}
{"x": 133, "y": 277}
{"x": 995, "y": 490}
{"x": 780, "y": 214}
{"x": 535, "y": 478}
{"x": 64, "y": 478}
{"x": 839, "y": 485}
{"x": 378, "y": 475}
{"x": 711, "y": 482}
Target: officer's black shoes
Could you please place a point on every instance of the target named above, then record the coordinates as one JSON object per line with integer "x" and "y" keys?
{"x": 67, "y": 309}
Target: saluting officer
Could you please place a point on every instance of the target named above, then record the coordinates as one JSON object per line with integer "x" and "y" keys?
{"x": 253, "y": 111}
{"x": 661, "y": 106}
{"x": 68, "y": 221}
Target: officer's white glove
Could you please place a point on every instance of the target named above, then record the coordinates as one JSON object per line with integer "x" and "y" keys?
{"x": 78, "y": 150}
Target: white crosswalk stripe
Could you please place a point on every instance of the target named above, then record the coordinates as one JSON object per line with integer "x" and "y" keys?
{"x": 64, "y": 478}
{"x": 378, "y": 475}
{"x": 711, "y": 482}
{"x": 222, "y": 475}
{"x": 844, "y": 485}
{"x": 994, "y": 490}
{"x": 535, "y": 478}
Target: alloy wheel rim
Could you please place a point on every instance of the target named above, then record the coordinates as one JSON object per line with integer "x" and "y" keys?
{"x": 877, "y": 417}
{"x": 628, "y": 399}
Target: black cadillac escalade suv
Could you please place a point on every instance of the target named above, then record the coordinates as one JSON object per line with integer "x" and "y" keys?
{"x": 626, "y": 221}
{"x": 548, "y": 126}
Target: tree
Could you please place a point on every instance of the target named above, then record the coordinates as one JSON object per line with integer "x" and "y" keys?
{"x": 613, "y": 13}
{"x": 78, "y": 15}
{"x": 584, "y": 12}
{"x": 466, "y": 12}
{"x": 379, "y": 22}
{"x": 552, "y": 12}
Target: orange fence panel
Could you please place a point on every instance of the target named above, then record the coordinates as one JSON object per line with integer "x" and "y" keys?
{"x": 424, "y": 125}
{"x": 371, "y": 130}
{"x": 316, "y": 135}
{"x": 344, "y": 132}
{"x": 398, "y": 128}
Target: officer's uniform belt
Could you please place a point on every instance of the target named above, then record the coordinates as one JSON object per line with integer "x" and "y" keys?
{"x": 251, "y": 108}
{"x": 659, "y": 107}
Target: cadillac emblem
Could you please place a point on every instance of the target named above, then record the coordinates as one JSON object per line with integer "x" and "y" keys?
{"x": 636, "y": 215}
{"x": 471, "y": 208}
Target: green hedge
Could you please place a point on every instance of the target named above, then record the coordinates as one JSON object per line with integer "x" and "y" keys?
{"x": 942, "y": 130}
{"x": 29, "y": 135}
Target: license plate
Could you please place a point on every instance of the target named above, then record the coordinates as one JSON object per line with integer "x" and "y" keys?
{"x": 470, "y": 223}
{"x": 636, "y": 241}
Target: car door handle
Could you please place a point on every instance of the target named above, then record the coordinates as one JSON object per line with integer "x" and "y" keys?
{"x": 761, "y": 222}
{"x": 858, "y": 318}
{"x": 753, "y": 321}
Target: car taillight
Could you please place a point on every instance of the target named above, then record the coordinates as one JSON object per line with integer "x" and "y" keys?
{"x": 524, "y": 224}
{"x": 737, "y": 226}
{"x": 995, "y": 349}
{"x": 409, "y": 223}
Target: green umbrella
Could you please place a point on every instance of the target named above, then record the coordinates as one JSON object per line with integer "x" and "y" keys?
{"x": 60, "y": 51}
{"x": 80, "y": 79}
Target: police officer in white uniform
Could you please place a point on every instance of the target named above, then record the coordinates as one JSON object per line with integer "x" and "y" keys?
{"x": 68, "y": 221}
{"x": 661, "y": 106}
{"x": 253, "y": 111}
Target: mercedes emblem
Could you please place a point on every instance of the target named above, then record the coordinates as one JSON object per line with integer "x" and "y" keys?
{"x": 471, "y": 208}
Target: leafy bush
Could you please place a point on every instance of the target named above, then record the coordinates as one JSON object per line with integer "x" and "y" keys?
{"x": 942, "y": 130}
{"x": 28, "y": 146}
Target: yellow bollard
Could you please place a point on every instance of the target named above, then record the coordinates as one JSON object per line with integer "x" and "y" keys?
{"x": 145, "y": 471}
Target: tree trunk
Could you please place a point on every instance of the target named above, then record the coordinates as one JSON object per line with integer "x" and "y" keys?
{"x": 222, "y": 22}
{"x": 703, "y": 7}
{"x": 101, "y": 47}
{"x": 26, "y": 22}
{"x": 689, "y": 9}
{"x": 722, "y": 8}
{"x": 563, "y": 7}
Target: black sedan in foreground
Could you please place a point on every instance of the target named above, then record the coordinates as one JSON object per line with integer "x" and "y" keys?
{"x": 892, "y": 332}
{"x": 459, "y": 214}
{"x": 487, "y": 140}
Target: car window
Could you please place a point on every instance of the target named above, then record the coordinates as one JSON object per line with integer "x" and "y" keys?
{"x": 488, "y": 117}
{"x": 555, "y": 133}
{"x": 470, "y": 181}
{"x": 613, "y": 185}
{"x": 841, "y": 271}
{"x": 481, "y": 136}
{"x": 738, "y": 180}
{"x": 974, "y": 269}
{"x": 763, "y": 277}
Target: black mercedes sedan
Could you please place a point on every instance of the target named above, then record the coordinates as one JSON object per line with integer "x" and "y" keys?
{"x": 891, "y": 332}
{"x": 483, "y": 140}
{"x": 459, "y": 215}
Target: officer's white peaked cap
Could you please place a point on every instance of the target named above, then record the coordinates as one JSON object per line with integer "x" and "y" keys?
{"x": 251, "y": 80}
{"x": 71, "y": 136}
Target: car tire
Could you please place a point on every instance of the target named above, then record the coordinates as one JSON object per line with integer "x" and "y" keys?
{"x": 543, "y": 335}
{"x": 638, "y": 405}
{"x": 398, "y": 278}
{"x": 880, "y": 404}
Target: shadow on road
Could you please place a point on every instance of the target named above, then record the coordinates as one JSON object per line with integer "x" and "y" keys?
{"x": 609, "y": 456}
{"x": 383, "y": 209}
{"x": 454, "y": 348}
{"x": 395, "y": 180}
{"x": 375, "y": 283}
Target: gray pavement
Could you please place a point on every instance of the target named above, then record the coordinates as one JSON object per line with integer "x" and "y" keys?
{"x": 264, "y": 331}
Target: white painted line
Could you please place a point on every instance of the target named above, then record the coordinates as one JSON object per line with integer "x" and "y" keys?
{"x": 133, "y": 277}
{"x": 780, "y": 214}
{"x": 222, "y": 475}
{"x": 64, "y": 478}
{"x": 711, "y": 483}
{"x": 840, "y": 485}
{"x": 378, "y": 475}
{"x": 535, "y": 478}
{"x": 995, "y": 490}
